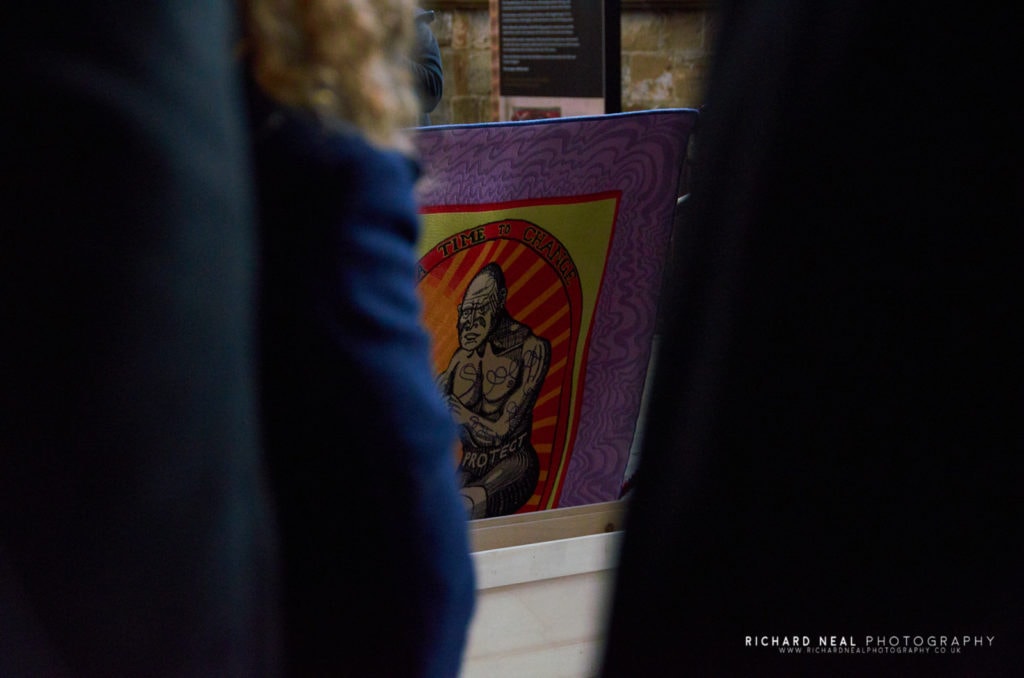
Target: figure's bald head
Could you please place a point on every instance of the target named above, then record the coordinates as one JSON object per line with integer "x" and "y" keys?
{"x": 483, "y": 301}
{"x": 494, "y": 272}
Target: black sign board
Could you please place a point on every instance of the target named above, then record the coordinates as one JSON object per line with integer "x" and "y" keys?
{"x": 560, "y": 49}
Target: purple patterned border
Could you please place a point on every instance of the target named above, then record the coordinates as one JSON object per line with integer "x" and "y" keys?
{"x": 640, "y": 154}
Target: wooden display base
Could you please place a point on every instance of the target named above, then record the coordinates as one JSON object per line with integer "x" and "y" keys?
{"x": 543, "y": 585}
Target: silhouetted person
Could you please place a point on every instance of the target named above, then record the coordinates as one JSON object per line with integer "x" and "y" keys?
{"x": 427, "y": 67}
{"x": 134, "y": 529}
{"x": 834, "y": 442}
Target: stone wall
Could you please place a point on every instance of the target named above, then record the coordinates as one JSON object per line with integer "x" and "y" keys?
{"x": 664, "y": 58}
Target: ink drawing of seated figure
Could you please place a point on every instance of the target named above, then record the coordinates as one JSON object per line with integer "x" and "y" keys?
{"x": 491, "y": 385}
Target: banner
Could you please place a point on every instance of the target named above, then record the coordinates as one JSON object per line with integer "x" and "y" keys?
{"x": 541, "y": 261}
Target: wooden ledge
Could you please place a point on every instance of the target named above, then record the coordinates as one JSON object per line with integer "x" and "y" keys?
{"x": 520, "y": 529}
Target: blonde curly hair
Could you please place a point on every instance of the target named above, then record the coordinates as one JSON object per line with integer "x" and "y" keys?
{"x": 344, "y": 60}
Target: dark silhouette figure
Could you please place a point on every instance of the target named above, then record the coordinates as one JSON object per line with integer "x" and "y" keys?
{"x": 834, "y": 442}
{"x": 134, "y": 530}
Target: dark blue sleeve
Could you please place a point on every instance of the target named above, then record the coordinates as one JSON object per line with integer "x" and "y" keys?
{"x": 361, "y": 445}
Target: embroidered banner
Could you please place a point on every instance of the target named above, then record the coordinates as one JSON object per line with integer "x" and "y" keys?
{"x": 541, "y": 261}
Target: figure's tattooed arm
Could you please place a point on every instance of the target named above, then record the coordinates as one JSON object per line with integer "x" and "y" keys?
{"x": 487, "y": 430}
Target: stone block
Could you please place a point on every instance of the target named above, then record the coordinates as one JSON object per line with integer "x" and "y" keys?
{"x": 685, "y": 31}
{"x": 478, "y": 33}
{"x": 479, "y": 75}
{"x": 646, "y": 65}
{"x": 456, "y": 70}
{"x": 642, "y": 31}
{"x": 468, "y": 109}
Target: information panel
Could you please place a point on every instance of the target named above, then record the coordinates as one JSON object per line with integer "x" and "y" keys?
{"x": 554, "y": 57}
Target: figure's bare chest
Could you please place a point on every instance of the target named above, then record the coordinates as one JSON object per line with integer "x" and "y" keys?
{"x": 486, "y": 382}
